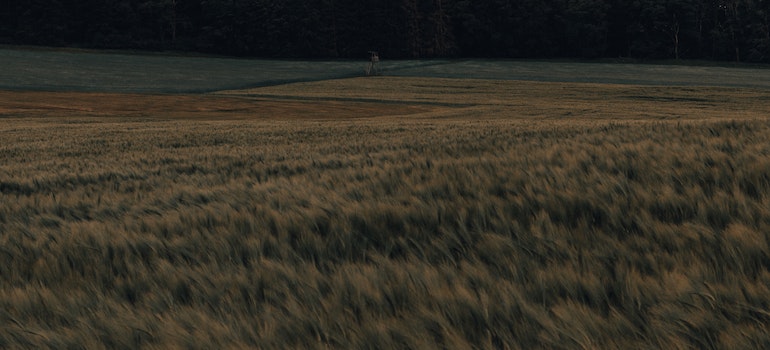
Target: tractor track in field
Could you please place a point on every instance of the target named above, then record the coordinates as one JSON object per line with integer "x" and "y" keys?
{"x": 271, "y": 97}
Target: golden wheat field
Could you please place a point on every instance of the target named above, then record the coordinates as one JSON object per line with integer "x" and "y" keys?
{"x": 387, "y": 213}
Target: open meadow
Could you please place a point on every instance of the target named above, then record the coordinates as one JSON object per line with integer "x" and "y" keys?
{"x": 387, "y": 212}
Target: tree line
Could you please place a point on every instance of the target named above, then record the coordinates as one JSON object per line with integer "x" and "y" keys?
{"x": 734, "y": 30}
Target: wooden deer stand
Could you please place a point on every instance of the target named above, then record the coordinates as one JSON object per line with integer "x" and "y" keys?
{"x": 374, "y": 64}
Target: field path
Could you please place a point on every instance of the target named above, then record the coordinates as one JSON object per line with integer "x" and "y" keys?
{"x": 87, "y": 71}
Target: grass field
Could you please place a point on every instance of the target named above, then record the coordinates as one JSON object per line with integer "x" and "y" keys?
{"x": 387, "y": 213}
{"x": 58, "y": 69}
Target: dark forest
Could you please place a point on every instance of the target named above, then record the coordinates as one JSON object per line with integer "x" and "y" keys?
{"x": 728, "y": 30}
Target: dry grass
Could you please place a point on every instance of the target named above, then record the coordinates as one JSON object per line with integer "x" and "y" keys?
{"x": 529, "y": 215}
{"x": 494, "y": 99}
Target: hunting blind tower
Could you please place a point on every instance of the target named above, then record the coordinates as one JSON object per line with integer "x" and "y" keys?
{"x": 374, "y": 64}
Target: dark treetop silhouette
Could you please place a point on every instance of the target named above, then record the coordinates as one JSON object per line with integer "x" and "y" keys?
{"x": 656, "y": 29}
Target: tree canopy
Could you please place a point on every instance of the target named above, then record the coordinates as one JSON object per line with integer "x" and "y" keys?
{"x": 735, "y": 30}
